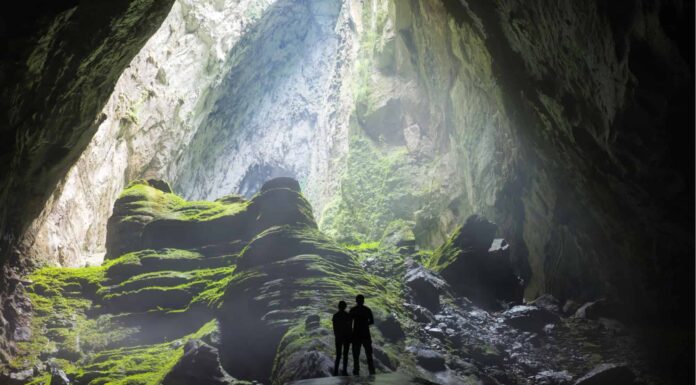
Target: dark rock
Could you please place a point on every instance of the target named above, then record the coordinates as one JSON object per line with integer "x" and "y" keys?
{"x": 312, "y": 322}
{"x": 421, "y": 314}
{"x": 310, "y": 364}
{"x": 570, "y": 307}
{"x": 549, "y": 377}
{"x": 612, "y": 325}
{"x": 200, "y": 364}
{"x": 281, "y": 182}
{"x": 391, "y": 328}
{"x": 608, "y": 374}
{"x": 478, "y": 266}
{"x": 529, "y": 318}
{"x": 160, "y": 185}
{"x": 599, "y": 308}
{"x": 548, "y": 302}
{"x": 430, "y": 360}
{"x": 426, "y": 287}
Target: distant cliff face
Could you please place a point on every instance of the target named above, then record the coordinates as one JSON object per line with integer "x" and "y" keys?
{"x": 561, "y": 122}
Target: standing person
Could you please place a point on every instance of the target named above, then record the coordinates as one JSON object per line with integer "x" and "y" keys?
{"x": 362, "y": 319}
{"x": 342, "y": 331}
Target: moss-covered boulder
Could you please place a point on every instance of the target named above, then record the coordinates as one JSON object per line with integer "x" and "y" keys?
{"x": 148, "y": 215}
{"x": 289, "y": 274}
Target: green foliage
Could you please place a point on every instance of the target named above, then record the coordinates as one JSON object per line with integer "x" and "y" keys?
{"x": 376, "y": 188}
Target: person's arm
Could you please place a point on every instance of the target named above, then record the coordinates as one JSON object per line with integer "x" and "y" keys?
{"x": 335, "y": 326}
{"x": 370, "y": 319}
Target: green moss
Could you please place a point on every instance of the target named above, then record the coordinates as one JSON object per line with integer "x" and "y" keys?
{"x": 445, "y": 254}
{"x": 141, "y": 199}
{"x": 376, "y": 189}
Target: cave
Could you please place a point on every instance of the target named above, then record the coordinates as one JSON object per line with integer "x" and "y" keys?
{"x": 189, "y": 187}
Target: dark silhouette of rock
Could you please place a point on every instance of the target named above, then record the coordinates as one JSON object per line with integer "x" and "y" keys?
{"x": 200, "y": 365}
{"x": 529, "y": 318}
{"x": 430, "y": 360}
{"x": 608, "y": 374}
{"x": 548, "y": 377}
{"x": 477, "y": 266}
{"x": 391, "y": 329}
{"x": 548, "y": 302}
{"x": 600, "y": 308}
{"x": 312, "y": 322}
{"x": 570, "y": 307}
{"x": 425, "y": 287}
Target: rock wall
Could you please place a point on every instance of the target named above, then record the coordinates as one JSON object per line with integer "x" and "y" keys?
{"x": 551, "y": 119}
{"x": 280, "y": 109}
{"x": 59, "y": 66}
{"x": 155, "y": 108}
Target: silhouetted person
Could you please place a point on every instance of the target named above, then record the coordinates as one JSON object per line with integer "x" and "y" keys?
{"x": 362, "y": 319}
{"x": 342, "y": 331}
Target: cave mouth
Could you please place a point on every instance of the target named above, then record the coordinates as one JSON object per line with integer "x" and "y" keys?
{"x": 490, "y": 187}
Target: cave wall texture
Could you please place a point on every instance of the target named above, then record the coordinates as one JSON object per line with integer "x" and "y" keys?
{"x": 59, "y": 66}
{"x": 568, "y": 123}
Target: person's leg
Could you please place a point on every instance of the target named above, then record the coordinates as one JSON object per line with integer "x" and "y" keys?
{"x": 368, "y": 353}
{"x": 338, "y": 356}
{"x": 346, "y": 347}
{"x": 356, "y": 356}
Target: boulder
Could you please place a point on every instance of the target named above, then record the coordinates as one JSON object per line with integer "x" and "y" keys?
{"x": 548, "y": 302}
{"x": 549, "y": 377}
{"x": 200, "y": 364}
{"x": 425, "y": 286}
{"x": 599, "y": 308}
{"x": 391, "y": 329}
{"x": 477, "y": 266}
{"x": 608, "y": 374}
{"x": 570, "y": 307}
{"x": 278, "y": 207}
{"x": 529, "y": 318}
{"x": 312, "y": 322}
{"x": 430, "y": 360}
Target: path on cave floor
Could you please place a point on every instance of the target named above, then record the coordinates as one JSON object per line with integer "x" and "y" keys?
{"x": 379, "y": 379}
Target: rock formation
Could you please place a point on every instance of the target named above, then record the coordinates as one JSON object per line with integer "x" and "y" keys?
{"x": 228, "y": 291}
{"x": 568, "y": 124}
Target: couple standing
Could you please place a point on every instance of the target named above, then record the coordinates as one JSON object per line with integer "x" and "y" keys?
{"x": 353, "y": 327}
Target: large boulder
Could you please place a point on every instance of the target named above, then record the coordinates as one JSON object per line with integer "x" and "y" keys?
{"x": 280, "y": 202}
{"x": 477, "y": 265}
{"x": 529, "y": 318}
{"x": 430, "y": 360}
{"x": 148, "y": 215}
{"x": 425, "y": 287}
